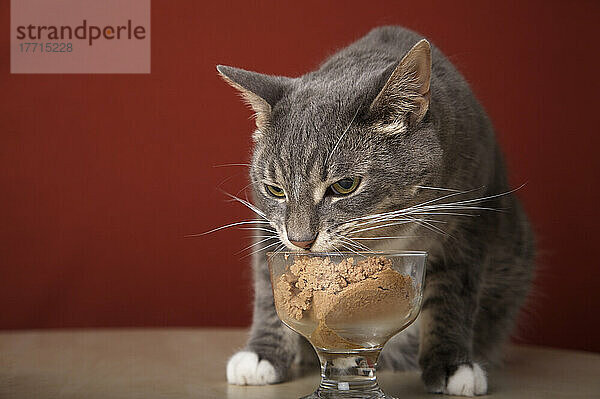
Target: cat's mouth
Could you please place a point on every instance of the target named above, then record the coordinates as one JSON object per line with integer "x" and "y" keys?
{"x": 319, "y": 244}
{"x": 327, "y": 242}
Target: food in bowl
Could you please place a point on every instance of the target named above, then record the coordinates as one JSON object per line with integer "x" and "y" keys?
{"x": 357, "y": 303}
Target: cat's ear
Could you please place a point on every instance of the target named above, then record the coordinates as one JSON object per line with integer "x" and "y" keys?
{"x": 260, "y": 91}
{"x": 405, "y": 96}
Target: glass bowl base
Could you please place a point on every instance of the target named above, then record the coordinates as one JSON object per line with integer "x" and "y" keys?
{"x": 350, "y": 394}
{"x": 348, "y": 375}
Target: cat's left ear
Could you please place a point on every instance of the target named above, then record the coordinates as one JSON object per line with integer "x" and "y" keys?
{"x": 260, "y": 91}
{"x": 405, "y": 96}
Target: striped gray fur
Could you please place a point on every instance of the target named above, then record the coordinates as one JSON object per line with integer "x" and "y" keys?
{"x": 411, "y": 139}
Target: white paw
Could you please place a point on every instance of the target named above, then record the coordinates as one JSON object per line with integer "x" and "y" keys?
{"x": 467, "y": 381}
{"x": 480, "y": 380}
{"x": 244, "y": 368}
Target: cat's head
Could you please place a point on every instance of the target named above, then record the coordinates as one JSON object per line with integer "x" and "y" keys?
{"x": 332, "y": 148}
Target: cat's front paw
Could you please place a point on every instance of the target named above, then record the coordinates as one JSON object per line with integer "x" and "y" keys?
{"x": 246, "y": 368}
{"x": 467, "y": 379}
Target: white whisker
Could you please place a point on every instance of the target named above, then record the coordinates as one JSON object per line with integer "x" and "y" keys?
{"x": 379, "y": 227}
{"x": 247, "y": 204}
{"x": 380, "y": 220}
{"x": 260, "y": 249}
{"x": 439, "y": 188}
{"x": 341, "y": 136}
{"x": 431, "y": 227}
{"x": 399, "y": 212}
{"x": 255, "y": 244}
{"x": 431, "y": 205}
{"x": 431, "y": 220}
{"x": 344, "y": 239}
{"x": 231, "y": 164}
{"x": 243, "y": 188}
{"x": 264, "y": 236}
{"x": 337, "y": 250}
{"x": 452, "y": 206}
{"x": 226, "y": 226}
{"x": 350, "y": 248}
{"x": 356, "y": 244}
{"x": 481, "y": 199}
{"x": 384, "y": 237}
{"x": 258, "y": 229}
{"x": 280, "y": 248}
{"x": 442, "y": 213}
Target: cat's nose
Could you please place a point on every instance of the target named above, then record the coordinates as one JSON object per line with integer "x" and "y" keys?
{"x": 306, "y": 244}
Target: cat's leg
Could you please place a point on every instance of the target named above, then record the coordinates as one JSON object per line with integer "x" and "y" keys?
{"x": 504, "y": 289}
{"x": 271, "y": 347}
{"x": 446, "y": 325}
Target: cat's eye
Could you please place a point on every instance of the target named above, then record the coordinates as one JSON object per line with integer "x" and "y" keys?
{"x": 275, "y": 191}
{"x": 345, "y": 186}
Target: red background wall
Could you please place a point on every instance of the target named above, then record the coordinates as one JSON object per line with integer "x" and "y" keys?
{"x": 101, "y": 176}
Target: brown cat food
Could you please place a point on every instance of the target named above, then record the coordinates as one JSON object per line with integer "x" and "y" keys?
{"x": 343, "y": 293}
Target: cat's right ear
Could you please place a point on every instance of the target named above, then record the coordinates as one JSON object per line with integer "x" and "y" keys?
{"x": 261, "y": 92}
{"x": 404, "y": 99}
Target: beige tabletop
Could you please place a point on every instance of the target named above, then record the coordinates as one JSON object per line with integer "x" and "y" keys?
{"x": 190, "y": 363}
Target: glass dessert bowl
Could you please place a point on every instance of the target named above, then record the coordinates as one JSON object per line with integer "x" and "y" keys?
{"x": 348, "y": 305}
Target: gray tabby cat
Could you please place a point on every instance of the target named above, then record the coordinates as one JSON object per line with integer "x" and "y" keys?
{"x": 386, "y": 147}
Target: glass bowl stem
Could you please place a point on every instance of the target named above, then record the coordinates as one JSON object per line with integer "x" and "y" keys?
{"x": 348, "y": 374}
